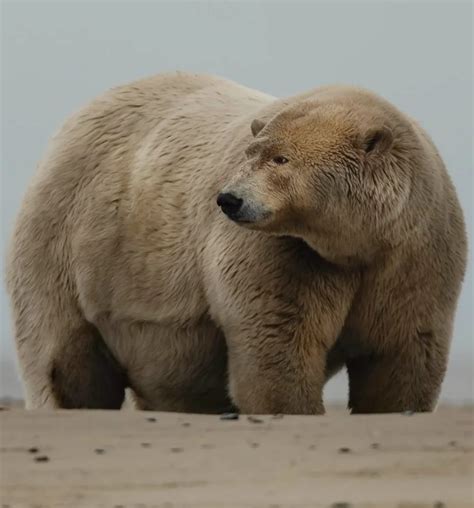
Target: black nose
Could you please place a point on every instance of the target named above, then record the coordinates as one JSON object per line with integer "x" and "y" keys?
{"x": 229, "y": 203}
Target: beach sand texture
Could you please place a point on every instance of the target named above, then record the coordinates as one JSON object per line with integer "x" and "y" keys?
{"x": 147, "y": 459}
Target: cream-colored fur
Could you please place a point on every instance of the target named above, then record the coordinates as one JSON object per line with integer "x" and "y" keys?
{"x": 124, "y": 271}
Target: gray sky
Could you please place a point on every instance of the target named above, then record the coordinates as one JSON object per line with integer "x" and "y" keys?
{"x": 59, "y": 55}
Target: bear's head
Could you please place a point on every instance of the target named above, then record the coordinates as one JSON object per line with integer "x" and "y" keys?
{"x": 335, "y": 170}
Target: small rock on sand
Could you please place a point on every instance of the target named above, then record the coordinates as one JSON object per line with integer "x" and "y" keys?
{"x": 229, "y": 416}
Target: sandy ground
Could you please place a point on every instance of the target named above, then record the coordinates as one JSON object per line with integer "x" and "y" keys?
{"x": 135, "y": 459}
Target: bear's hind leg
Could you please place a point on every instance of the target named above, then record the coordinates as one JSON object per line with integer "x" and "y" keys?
{"x": 84, "y": 374}
{"x": 70, "y": 368}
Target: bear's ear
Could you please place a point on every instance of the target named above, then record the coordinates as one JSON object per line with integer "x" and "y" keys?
{"x": 256, "y": 126}
{"x": 377, "y": 140}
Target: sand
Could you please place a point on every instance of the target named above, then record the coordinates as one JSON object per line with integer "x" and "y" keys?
{"x": 137, "y": 459}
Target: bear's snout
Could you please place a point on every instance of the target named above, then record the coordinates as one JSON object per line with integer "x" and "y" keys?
{"x": 241, "y": 207}
{"x": 229, "y": 204}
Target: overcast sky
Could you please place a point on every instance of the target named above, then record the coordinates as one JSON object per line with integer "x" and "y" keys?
{"x": 59, "y": 55}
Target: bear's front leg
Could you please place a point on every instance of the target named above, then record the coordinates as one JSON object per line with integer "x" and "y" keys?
{"x": 405, "y": 378}
{"x": 404, "y": 317}
{"x": 278, "y": 331}
{"x": 275, "y": 371}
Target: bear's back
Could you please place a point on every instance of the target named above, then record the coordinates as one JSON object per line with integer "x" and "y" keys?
{"x": 108, "y": 195}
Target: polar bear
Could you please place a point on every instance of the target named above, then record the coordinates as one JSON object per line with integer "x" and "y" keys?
{"x": 212, "y": 247}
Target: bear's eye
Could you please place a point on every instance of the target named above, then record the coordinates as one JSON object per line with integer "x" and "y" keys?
{"x": 279, "y": 159}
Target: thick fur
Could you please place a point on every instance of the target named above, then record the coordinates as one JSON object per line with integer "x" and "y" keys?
{"x": 353, "y": 253}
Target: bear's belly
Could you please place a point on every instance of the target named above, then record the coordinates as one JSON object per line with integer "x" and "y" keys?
{"x": 161, "y": 288}
{"x": 171, "y": 367}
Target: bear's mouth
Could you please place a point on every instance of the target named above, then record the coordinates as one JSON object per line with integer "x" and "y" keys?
{"x": 243, "y": 218}
{"x": 255, "y": 224}
{"x": 240, "y": 220}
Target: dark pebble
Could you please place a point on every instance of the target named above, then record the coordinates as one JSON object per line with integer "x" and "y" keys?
{"x": 375, "y": 446}
{"x": 254, "y": 419}
{"x": 151, "y": 419}
{"x": 344, "y": 449}
{"x": 145, "y": 445}
{"x": 408, "y": 412}
{"x": 229, "y": 416}
{"x": 186, "y": 424}
{"x": 99, "y": 451}
{"x": 177, "y": 450}
{"x": 439, "y": 504}
{"x": 254, "y": 445}
{"x": 453, "y": 443}
{"x": 33, "y": 450}
{"x": 42, "y": 458}
{"x": 342, "y": 504}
